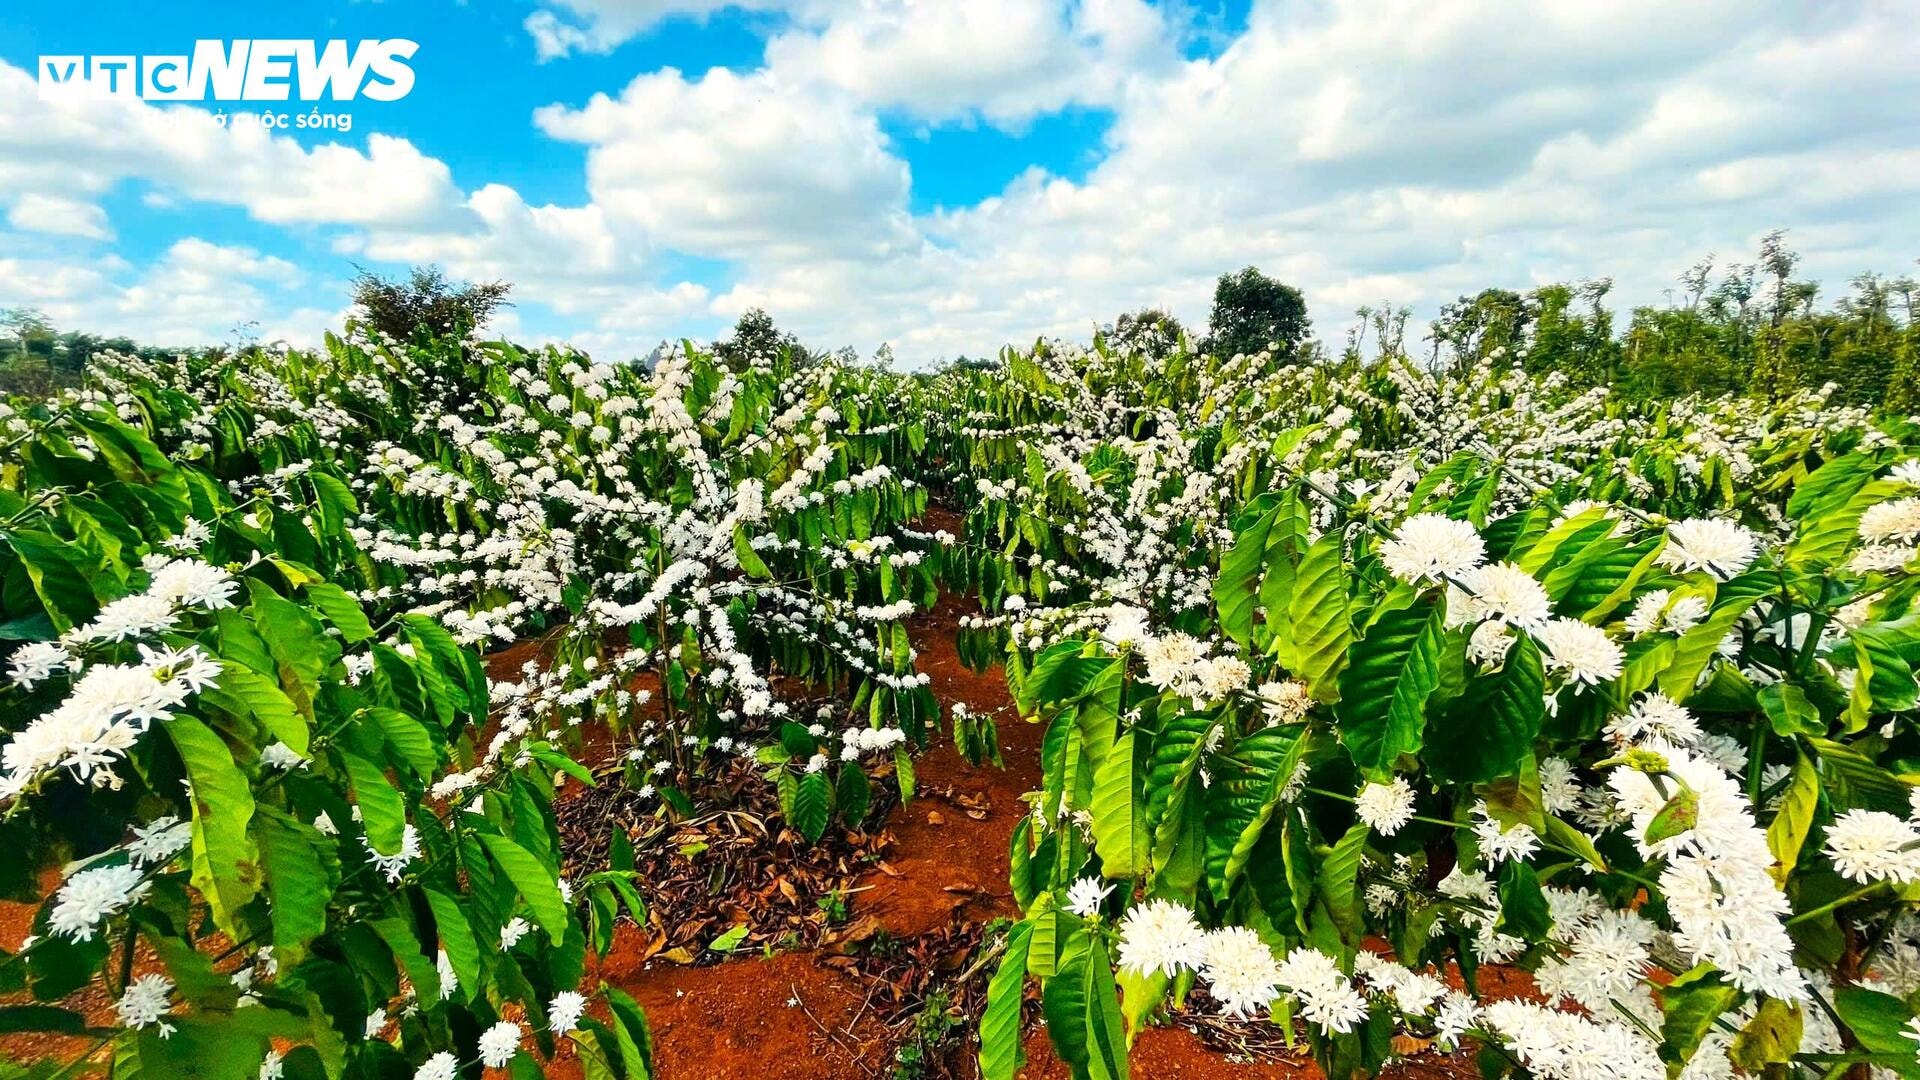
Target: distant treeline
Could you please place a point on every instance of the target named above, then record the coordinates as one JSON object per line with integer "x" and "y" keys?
{"x": 1739, "y": 328}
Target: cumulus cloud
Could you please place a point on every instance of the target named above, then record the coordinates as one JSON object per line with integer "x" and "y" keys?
{"x": 741, "y": 166}
{"x": 195, "y": 292}
{"x": 1367, "y": 150}
{"x": 1004, "y": 60}
{"x": 59, "y": 216}
{"x": 573, "y": 258}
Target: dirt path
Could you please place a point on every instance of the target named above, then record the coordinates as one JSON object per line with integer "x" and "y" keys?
{"x": 802, "y": 1015}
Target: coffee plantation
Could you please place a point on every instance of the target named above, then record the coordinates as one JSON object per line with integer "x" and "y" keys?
{"x": 1357, "y": 682}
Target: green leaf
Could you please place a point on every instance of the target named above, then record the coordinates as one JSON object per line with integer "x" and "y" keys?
{"x": 382, "y": 812}
{"x": 135, "y": 459}
{"x": 1319, "y": 633}
{"x": 342, "y": 610}
{"x": 1177, "y": 753}
{"x": 1770, "y": 1038}
{"x": 730, "y": 940}
{"x": 1083, "y": 1011}
{"x": 1698, "y": 646}
{"x": 1878, "y": 1020}
{"x": 852, "y": 793}
{"x": 59, "y": 579}
{"x": 813, "y": 806}
{"x": 1564, "y": 836}
{"x": 1594, "y": 585}
{"x": 1787, "y": 833}
{"x": 1061, "y": 674}
{"x": 336, "y": 501}
{"x": 1690, "y": 1004}
{"x": 1486, "y": 732}
{"x": 750, "y": 560}
{"x": 1043, "y": 945}
{"x": 1832, "y": 484}
{"x": 1576, "y": 531}
{"x": 1523, "y": 907}
{"x": 1338, "y": 882}
{"x": 300, "y": 881}
{"x": 1828, "y": 532}
{"x": 1680, "y": 814}
{"x": 1238, "y": 584}
{"x": 1244, "y": 797}
{"x": 243, "y": 691}
{"x": 1852, "y": 780}
{"x": 226, "y": 864}
{"x": 1001, "y": 1053}
{"x": 211, "y": 1047}
{"x": 450, "y": 920}
{"x": 535, "y": 882}
{"x": 412, "y": 744}
{"x": 1119, "y": 817}
{"x": 1383, "y": 694}
{"x": 1789, "y": 711}
{"x": 636, "y": 1039}
{"x": 903, "y": 772}
{"x": 405, "y": 945}
{"x": 1885, "y": 683}
{"x": 35, "y": 627}
{"x": 15, "y": 1019}
{"x": 302, "y": 652}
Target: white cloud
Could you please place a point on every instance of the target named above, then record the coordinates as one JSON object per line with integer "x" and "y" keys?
{"x": 742, "y": 167}
{"x": 1006, "y": 60}
{"x": 570, "y": 257}
{"x": 196, "y": 292}
{"x": 59, "y": 216}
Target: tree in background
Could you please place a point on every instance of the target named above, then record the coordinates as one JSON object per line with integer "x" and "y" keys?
{"x": 36, "y": 359}
{"x": 756, "y": 340}
{"x": 425, "y": 300}
{"x": 1150, "y": 330}
{"x": 1474, "y": 328}
{"x": 1573, "y": 332}
{"x": 1251, "y": 312}
{"x": 1387, "y": 323}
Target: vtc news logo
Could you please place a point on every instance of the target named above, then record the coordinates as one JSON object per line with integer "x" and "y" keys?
{"x": 241, "y": 70}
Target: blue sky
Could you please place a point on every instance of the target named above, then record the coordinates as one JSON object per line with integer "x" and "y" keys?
{"x": 948, "y": 178}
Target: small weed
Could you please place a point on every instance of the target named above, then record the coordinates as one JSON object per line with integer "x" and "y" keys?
{"x": 933, "y": 1026}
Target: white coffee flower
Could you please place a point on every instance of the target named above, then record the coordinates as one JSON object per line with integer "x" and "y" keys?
{"x": 499, "y": 1043}
{"x": 146, "y": 1000}
{"x": 1085, "y": 896}
{"x": 1721, "y": 548}
{"x": 1429, "y": 548}
{"x": 1160, "y": 936}
{"x": 1385, "y": 807}
{"x": 1240, "y": 970}
{"x": 1869, "y": 845}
